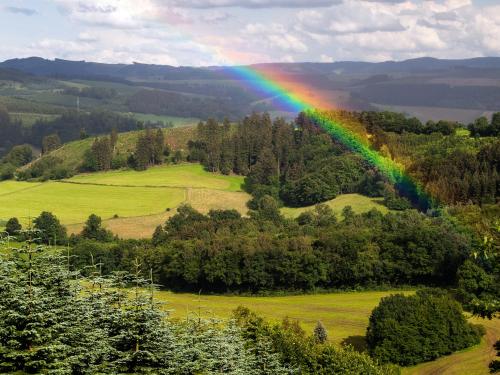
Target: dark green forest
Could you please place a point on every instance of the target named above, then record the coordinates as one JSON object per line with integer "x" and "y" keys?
{"x": 449, "y": 252}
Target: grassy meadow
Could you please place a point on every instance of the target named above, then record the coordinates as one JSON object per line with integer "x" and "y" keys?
{"x": 130, "y": 203}
{"x": 181, "y": 175}
{"x": 345, "y": 316}
{"x": 72, "y": 153}
{"x": 359, "y": 204}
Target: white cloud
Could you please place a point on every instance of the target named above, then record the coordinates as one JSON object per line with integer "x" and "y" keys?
{"x": 253, "y": 3}
{"x": 205, "y": 32}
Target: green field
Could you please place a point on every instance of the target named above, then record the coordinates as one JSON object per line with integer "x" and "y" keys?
{"x": 182, "y": 175}
{"x": 73, "y": 203}
{"x": 139, "y": 199}
{"x": 345, "y": 316}
{"x": 359, "y": 204}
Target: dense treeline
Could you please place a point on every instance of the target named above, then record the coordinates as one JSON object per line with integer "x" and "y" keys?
{"x": 69, "y": 126}
{"x": 452, "y": 169}
{"x": 225, "y": 252}
{"x": 398, "y": 123}
{"x": 482, "y": 128}
{"x": 54, "y": 321}
{"x": 296, "y": 163}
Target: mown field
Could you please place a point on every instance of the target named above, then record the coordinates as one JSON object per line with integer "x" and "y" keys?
{"x": 182, "y": 175}
{"x": 130, "y": 203}
{"x": 345, "y": 316}
{"x": 359, "y": 204}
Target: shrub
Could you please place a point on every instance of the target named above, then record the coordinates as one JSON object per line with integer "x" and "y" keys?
{"x": 411, "y": 329}
{"x": 13, "y": 227}
{"x": 7, "y": 171}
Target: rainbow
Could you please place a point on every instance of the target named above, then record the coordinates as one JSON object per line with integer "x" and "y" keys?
{"x": 296, "y": 97}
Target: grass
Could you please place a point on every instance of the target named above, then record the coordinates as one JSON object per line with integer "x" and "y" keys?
{"x": 182, "y": 175}
{"x": 72, "y": 153}
{"x": 140, "y": 199}
{"x": 359, "y": 204}
{"x": 73, "y": 203}
{"x": 345, "y": 315}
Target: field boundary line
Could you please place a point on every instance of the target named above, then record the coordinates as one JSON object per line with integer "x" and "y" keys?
{"x": 23, "y": 189}
{"x": 148, "y": 186}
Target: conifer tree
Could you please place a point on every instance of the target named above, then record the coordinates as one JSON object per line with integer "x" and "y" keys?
{"x": 320, "y": 333}
{"x": 158, "y": 147}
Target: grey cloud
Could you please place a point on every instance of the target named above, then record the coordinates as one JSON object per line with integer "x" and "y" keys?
{"x": 89, "y": 8}
{"x": 254, "y": 3}
{"x": 23, "y": 11}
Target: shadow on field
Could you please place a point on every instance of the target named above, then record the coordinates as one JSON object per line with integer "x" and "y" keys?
{"x": 357, "y": 342}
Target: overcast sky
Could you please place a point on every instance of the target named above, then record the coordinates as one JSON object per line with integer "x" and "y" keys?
{"x": 209, "y": 32}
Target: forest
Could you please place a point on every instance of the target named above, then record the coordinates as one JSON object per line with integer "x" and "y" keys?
{"x": 449, "y": 253}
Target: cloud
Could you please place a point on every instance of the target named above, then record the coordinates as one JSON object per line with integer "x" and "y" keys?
{"x": 23, "y": 11}
{"x": 254, "y": 3}
{"x": 208, "y": 32}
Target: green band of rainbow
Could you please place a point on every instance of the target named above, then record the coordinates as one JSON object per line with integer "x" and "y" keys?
{"x": 268, "y": 82}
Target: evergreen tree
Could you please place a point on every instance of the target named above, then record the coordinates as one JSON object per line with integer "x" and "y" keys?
{"x": 93, "y": 230}
{"x": 50, "y": 230}
{"x": 113, "y": 138}
{"x": 158, "y": 147}
{"x": 320, "y": 333}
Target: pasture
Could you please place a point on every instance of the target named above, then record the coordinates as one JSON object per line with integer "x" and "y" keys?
{"x": 181, "y": 175}
{"x": 130, "y": 203}
{"x": 345, "y": 316}
{"x": 359, "y": 204}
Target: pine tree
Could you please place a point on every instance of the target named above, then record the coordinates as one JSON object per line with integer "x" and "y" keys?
{"x": 158, "y": 147}
{"x": 320, "y": 333}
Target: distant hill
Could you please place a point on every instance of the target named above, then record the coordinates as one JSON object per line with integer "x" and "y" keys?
{"x": 59, "y": 67}
{"x": 459, "y": 90}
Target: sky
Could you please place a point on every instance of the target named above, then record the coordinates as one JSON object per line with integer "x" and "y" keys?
{"x": 221, "y": 32}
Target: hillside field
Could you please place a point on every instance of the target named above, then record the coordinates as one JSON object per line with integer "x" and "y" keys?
{"x": 359, "y": 204}
{"x": 345, "y": 316}
{"x": 130, "y": 203}
{"x": 72, "y": 153}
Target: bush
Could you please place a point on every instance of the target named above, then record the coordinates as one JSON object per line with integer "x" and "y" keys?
{"x": 7, "y": 171}
{"x": 13, "y": 227}
{"x": 411, "y": 329}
